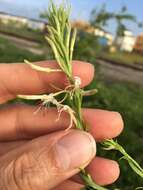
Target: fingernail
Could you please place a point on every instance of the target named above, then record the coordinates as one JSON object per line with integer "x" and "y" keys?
{"x": 74, "y": 150}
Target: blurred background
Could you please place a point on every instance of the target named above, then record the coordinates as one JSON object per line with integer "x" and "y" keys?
{"x": 110, "y": 36}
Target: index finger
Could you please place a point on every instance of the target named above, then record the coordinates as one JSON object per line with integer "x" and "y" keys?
{"x": 18, "y": 79}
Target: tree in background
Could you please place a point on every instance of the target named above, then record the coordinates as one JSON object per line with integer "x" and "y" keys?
{"x": 101, "y": 17}
{"x": 120, "y": 18}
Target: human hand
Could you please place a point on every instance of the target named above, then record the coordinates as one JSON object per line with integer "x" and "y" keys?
{"x": 35, "y": 150}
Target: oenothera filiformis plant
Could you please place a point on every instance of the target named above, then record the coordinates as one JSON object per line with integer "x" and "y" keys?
{"x": 61, "y": 37}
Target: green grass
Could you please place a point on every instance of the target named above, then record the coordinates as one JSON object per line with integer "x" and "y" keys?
{"x": 132, "y": 59}
{"x": 10, "y": 53}
{"x": 22, "y": 31}
{"x": 128, "y": 100}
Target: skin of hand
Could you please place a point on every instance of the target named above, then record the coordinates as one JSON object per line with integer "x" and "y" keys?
{"x": 36, "y": 152}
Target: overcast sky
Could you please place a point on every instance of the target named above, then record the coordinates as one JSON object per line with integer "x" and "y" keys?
{"x": 80, "y": 9}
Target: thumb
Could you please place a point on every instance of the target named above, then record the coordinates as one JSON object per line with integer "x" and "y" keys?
{"x": 46, "y": 161}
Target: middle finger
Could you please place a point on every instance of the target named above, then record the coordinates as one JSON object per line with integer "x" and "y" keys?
{"x": 19, "y": 122}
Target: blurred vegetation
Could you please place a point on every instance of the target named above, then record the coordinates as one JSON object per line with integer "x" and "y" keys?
{"x": 22, "y": 31}
{"x": 10, "y": 53}
{"x": 84, "y": 47}
{"x": 100, "y": 18}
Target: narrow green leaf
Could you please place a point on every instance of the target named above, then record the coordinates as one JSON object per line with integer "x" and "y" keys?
{"x": 67, "y": 37}
{"x": 72, "y": 43}
{"x": 112, "y": 145}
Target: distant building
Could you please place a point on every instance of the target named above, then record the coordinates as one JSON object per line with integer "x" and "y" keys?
{"x": 105, "y": 37}
{"x": 126, "y": 42}
{"x": 36, "y": 25}
{"x": 21, "y": 21}
{"x": 139, "y": 44}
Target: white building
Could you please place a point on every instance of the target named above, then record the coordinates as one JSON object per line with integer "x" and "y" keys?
{"x": 21, "y": 21}
{"x": 36, "y": 24}
{"x": 127, "y": 42}
{"x": 102, "y": 33}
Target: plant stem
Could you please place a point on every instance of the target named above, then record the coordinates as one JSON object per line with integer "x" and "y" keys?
{"x": 113, "y": 145}
{"x": 89, "y": 182}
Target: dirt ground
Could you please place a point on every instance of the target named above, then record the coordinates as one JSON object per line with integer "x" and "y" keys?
{"x": 24, "y": 44}
{"x": 120, "y": 72}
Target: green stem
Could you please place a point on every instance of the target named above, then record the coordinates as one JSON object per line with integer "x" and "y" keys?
{"x": 90, "y": 184}
{"x": 76, "y": 104}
